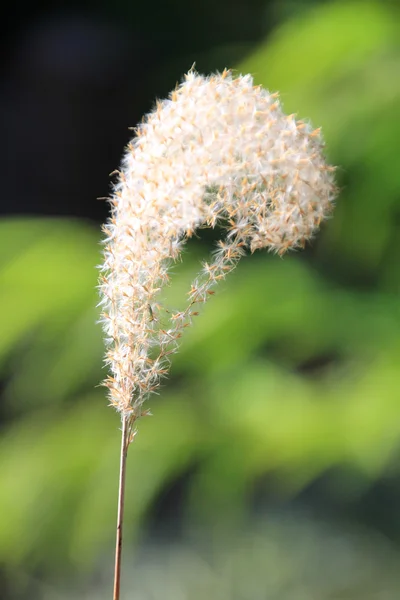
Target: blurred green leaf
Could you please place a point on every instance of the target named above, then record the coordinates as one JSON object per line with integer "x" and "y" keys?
{"x": 339, "y": 64}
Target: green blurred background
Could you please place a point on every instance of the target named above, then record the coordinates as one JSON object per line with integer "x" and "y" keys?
{"x": 271, "y": 467}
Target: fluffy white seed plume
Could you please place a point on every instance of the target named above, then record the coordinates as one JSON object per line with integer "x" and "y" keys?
{"x": 219, "y": 150}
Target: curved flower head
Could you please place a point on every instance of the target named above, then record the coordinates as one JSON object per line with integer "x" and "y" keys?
{"x": 219, "y": 150}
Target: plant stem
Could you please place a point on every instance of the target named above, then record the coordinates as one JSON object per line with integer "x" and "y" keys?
{"x": 121, "y": 498}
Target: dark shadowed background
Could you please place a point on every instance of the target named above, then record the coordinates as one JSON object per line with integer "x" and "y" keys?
{"x": 271, "y": 467}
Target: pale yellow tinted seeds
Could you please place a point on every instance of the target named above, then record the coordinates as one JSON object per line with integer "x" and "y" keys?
{"x": 218, "y": 151}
